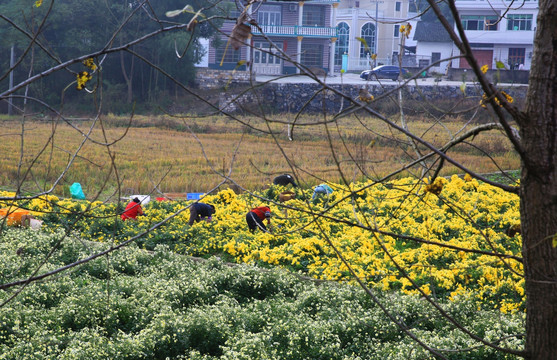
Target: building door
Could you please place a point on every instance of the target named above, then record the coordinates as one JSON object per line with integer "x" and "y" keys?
{"x": 483, "y": 57}
{"x": 264, "y": 60}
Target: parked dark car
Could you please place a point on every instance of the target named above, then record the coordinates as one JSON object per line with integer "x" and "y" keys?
{"x": 382, "y": 72}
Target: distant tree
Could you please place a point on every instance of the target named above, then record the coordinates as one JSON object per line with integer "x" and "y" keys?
{"x": 73, "y": 28}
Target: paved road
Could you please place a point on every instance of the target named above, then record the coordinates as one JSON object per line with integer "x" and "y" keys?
{"x": 354, "y": 79}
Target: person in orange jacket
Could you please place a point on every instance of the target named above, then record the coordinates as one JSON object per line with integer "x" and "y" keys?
{"x": 133, "y": 209}
{"x": 255, "y": 218}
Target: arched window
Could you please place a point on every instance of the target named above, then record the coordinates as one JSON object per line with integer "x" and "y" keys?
{"x": 342, "y": 42}
{"x": 368, "y": 34}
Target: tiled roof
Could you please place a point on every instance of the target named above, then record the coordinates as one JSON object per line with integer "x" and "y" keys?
{"x": 431, "y": 32}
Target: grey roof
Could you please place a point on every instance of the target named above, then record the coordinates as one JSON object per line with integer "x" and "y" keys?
{"x": 431, "y": 32}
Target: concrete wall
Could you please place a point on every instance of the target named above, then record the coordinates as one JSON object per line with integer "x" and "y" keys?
{"x": 213, "y": 79}
{"x": 495, "y": 76}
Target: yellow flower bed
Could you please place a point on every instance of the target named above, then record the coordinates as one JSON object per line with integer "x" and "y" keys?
{"x": 374, "y": 226}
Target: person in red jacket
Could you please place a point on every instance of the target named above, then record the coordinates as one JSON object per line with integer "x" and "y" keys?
{"x": 133, "y": 209}
{"x": 256, "y": 216}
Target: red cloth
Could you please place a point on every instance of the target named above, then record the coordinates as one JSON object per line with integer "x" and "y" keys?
{"x": 260, "y": 211}
{"x": 132, "y": 210}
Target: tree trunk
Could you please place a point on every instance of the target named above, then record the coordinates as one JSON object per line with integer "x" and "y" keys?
{"x": 539, "y": 190}
{"x": 128, "y": 77}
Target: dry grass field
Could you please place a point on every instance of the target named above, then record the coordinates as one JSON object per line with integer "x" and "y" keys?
{"x": 162, "y": 151}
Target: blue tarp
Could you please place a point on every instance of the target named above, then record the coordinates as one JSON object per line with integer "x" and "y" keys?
{"x": 77, "y": 191}
{"x": 194, "y": 196}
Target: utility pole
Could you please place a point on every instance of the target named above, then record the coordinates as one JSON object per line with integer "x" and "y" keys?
{"x": 11, "y": 84}
{"x": 376, "y": 35}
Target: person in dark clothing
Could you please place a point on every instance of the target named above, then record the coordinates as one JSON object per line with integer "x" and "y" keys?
{"x": 133, "y": 210}
{"x": 256, "y": 216}
{"x": 200, "y": 211}
{"x": 284, "y": 180}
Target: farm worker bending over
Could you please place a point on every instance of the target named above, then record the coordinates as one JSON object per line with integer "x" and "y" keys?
{"x": 200, "y": 211}
{"x": 256, "y": 216}
{"x": 133, "y": 209}
{"x": 284, "y": 180}
{"x": 322, "y": 189}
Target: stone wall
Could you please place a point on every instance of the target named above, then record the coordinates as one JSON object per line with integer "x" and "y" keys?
{"x": 277, "y": 98}
{"x": 206, "y": 78}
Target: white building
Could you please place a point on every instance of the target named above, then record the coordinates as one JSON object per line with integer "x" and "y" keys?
{"x": 433, "y": 45}
{"x": 497, "y": 31}
{"x": 378, "y": 23}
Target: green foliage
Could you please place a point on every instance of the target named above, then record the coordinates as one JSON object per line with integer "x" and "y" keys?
{"x": 75, "y": 28}
{"x": 134, "y": 304}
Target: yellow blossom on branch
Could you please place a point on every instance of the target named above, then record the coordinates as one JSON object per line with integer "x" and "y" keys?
{"x": 90, "y": 64}
{"x": 405, "y": 29}
{"x": 484, "y": 68}
{"x": 484, "y": 100}
{"x": 365, "y": 96}
{"x": 38, "y": 3}
{"x": 507, "y": 97}
{"x": 82, "y": 79}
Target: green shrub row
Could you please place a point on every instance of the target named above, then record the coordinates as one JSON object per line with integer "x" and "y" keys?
{"x": 135, "y": 304}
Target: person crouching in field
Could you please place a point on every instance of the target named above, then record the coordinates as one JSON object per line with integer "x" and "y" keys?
{"x": 321, "y": 190}
{"x": 200, "y": 211}
{"x": 133, "y": 209}
{"x": 255, "y": 218}
{"x": 284, "y": 180}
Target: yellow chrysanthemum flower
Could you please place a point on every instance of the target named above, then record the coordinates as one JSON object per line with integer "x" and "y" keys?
{"x": 435, "y": 187}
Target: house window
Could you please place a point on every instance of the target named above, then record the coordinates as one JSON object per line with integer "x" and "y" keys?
{"x": 479, "y": 22}
{"x": 412, "y": 8}
{"x": 265, "y": 54}
{"x": 516, "y": 56}
{"x": 435, "y": 57}
{"x": 397, "y": 31}
{"x": 343, "y": 42}
{"x": 422, "y": 63}
{"x": 269, "y": 15}
{"x": 519, "y": 22}
{"x": 313, "y": 15}
{"x": 367, "y": 46}
{"x": 230, "y": 56}
{"x": 397, "y": 6}
{"x": 312, "y": 55}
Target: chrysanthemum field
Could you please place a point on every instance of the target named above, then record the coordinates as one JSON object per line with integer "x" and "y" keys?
{"x": 453, "y": 243}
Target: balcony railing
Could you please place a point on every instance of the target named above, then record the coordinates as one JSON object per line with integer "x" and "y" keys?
{"x": 295, "y": 30}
